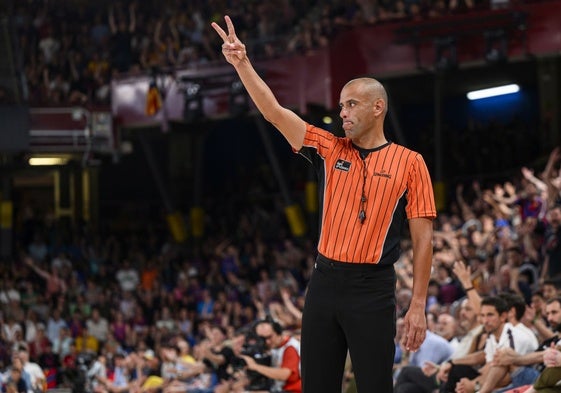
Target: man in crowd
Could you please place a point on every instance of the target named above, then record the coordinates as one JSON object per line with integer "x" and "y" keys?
{"x": 523, "y": 369}
{"x": 502, "y": 333}
{"x": 285, "y": 363}
{"x": 426, "y": 378}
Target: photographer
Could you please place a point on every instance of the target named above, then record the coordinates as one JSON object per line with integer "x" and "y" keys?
{"x": 285, "y": 364}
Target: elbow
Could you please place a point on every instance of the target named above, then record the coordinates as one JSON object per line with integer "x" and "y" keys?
{"x": 273, "y": 113}
{"x": 272, "y": 116}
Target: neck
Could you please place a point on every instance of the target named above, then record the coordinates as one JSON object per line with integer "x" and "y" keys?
{"x": 497, "y": 333}
{"x": 371, "y": 143}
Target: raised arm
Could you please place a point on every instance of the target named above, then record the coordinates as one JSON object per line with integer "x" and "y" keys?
{"x": 111, "y": 18}
{"x": 463, "y": 273}
{"x": 287, "y": 122}
{"x": 132, "y": 17}
{"x": 29, "y": 262}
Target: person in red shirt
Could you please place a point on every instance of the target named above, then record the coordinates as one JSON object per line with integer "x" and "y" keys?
{"x": 285, "y": 359}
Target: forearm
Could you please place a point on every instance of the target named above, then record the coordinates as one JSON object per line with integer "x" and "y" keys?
{"x": 474, "y": 299}
{"x": 293, "y": 309}
{"x": 543, "y": 331}
{"x": 280, "y": 374}
{"x": 529, "y": 359}
{"x": 258, "y": 90}
{"x": 216, "y": 359}
{"x": 421, "y": 233}
{"x": 473, "y": 359}
{"x": 287, "y": 122}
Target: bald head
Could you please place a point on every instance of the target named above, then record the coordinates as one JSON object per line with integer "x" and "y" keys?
{"x": 372, "y": 88}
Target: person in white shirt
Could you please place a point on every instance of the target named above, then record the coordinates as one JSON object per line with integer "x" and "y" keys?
{"x": 495, "y": 313}
{"x": 98, "y": 326}
{"x": 54, "y": 324}
{"x": 521, "y": 368}
{"x": 97, "y": 375}
{"x": 35, "y": 372}
{"x": 128, "y": 277}
{"x": 428, "y": 377}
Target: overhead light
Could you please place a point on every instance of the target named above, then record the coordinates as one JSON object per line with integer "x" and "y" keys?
{"x": 45, "y": 161}
{"x": 493, "y": 91}
{"x": 327, "y": 120}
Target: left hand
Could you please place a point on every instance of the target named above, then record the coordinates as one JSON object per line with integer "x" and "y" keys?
{"x": 429, "y": 368}
{"x": 504, "y": 357}
{"x": 249, "y": 361}
{"x": 415, "y": 325}
{"x": 552, "y": 357}
{"x": 465, "y": 386}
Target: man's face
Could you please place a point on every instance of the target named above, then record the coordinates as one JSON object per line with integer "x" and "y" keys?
{"x": 357, "y": 110}
{"x": 217, "y": 336}
{"x": 446, "y": 326}
{"x": 549, "y": 291}
{"x": 537, "y": 303}
{"x": 491, "y": 319}
{"x": 553, "y": 315}
{"x": 468, "y": 316}
{"x": 266, "y": 332}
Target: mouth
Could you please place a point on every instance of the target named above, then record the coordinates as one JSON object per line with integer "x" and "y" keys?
{"x": 347, "y": 124}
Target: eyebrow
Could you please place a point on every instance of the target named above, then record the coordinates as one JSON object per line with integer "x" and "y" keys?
{"x": 348, "y": 101}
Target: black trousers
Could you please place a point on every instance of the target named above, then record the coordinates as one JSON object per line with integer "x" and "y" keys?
{"x": 457, "y": 372}
{"x": 348, "y": 306}
{"x": 411, "y": 379}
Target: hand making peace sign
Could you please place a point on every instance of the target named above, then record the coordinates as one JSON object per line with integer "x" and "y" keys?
{"x": 232, "y": 48}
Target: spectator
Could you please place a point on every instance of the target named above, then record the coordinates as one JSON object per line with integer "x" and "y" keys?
{"x": 54, "y": 283}
{"x": 121, "y": 38}
{"x": 285, "y": 366}
{"x": 55, "y": 324}
{"x": 37, "y": 378}
{"x": 523, "y": 369}
{"x": 128, "y": 277}
{"x": 98, "y": 327}
{"x": 501, "y": 334}
{"x": 14, "y": 380}
{"x": 97, "y": 375}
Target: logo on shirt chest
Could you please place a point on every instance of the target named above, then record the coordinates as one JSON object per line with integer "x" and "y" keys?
{"x": 382, "y": 173}
{"x": 343, "y": 165}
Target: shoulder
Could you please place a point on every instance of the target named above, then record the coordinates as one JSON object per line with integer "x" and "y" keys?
{"x": 318, "y": 132}
{"x": 410, "y": 156}
{"x": 436, "y": 339}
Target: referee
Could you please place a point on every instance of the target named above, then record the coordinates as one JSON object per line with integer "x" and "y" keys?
{"x": 369, "y": 188}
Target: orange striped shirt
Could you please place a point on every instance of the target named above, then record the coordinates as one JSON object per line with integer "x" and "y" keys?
{"x": 397, "y": 186}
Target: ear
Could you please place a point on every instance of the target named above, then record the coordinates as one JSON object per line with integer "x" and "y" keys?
{"x": 379, "y": 107}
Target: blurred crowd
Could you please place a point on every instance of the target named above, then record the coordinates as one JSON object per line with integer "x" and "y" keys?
{"x": 108, "y": 310}
{"x": 89, "y": 308}
{"x": 71, "y": 49}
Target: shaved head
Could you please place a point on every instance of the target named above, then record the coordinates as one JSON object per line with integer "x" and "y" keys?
{"x": 372, "y": 88}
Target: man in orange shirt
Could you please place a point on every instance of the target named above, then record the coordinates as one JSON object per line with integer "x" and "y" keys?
{"x": 285, "y": 361}
{"x": 369, "y": 187}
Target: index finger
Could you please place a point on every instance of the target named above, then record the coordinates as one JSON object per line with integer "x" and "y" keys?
{"x": 220, "y": 31}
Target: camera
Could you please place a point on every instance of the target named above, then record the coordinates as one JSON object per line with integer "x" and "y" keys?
{"x": 256, "y": 348}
